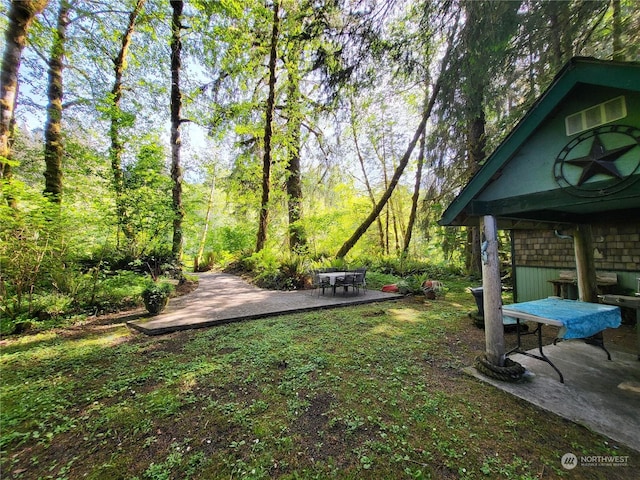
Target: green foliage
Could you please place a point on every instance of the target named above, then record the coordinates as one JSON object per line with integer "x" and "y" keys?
{"x": 377, "y": 386}
{"x": 51, "y": 305}
{"x": 75, "y": 256}
{"x": 156, "y": 294}
{"x": 119, "y": 290}
{"x": 32, "y": 247}
{"x": 404, "y": 267}
{"x": 96, "y": 291}
{"x": 232, "y": 239}
{"x": 147, "y": 200}
{"x": 376, "y": 280}
{"x": 207, "y": 263}
{"x": 278, "y": 273}
{"x": 108, "y": 111}
{"x": 414, "y": 284}
{"x": 289, "y": 272}
{"x": 294, "y": 272}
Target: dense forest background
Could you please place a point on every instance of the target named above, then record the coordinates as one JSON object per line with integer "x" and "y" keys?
{"x": 142, "y": 138}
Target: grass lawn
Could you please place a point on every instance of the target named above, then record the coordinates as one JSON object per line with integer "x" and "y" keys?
{"x": 373, "y": 391}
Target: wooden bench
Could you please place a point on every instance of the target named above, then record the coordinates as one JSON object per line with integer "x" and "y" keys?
{"x": 629, "y": 302}
{"x": 604, "y": 281}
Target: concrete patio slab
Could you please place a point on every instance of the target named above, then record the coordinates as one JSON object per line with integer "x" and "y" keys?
{"x": 601, "y": 395}
{"x": 224, "y": 298}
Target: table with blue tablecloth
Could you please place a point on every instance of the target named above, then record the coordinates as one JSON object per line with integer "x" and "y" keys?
{"x": 575, "y": 319}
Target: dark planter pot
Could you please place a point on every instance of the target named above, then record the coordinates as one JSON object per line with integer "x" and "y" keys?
{"x": 155, "y": 304}
{"x": 477, "y": 295}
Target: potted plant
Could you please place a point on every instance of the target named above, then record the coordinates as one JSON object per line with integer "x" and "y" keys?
{"x": 156, "y": 295}
{"x": 432, "y": 289}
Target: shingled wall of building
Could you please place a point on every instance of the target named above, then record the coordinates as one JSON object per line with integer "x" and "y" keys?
{"x": 616, "y": 248}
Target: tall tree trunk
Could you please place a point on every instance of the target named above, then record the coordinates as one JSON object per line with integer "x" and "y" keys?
{"x": 297, "y": 236}
{"x": 349, "y": 244}
{"x": 386, "y": 229}
{"x": 473, "y": 262}
{"x": 479, "y": 15}
{"x": 268, "y": 132}
{"x": 53, "y": 146}
{"x": 476, "y": 144}
{"x": 382, "y": 156}
{"x": 381, "y": 153}
{"x": 364, "y": 175}
{"x": 20, "y": 17}
{"x": 556, "y": 13}
{"x": 117, "y": 146}
{"x": 394, "y": 223}
{"x": 415, "y": 197}
{"x": 176, "y": 106}
{"x": 616, "y": 32}
{"x": 207, "y": 219}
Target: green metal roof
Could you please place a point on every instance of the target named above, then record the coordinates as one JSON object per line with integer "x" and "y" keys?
{"x": 548, "y": 207}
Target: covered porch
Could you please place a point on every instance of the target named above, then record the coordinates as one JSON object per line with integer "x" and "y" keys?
{"x": 572, "y": 162}
{"x": 599, "y": 394}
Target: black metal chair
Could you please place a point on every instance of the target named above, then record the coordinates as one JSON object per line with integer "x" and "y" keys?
{"x": 359, "y": 282}
{"x": 361, "y": 279}
{"x": 344, "y": 282}
{"x": 318, "y": 282}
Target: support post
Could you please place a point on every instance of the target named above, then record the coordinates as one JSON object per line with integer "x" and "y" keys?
{"x": 585, "y": 264}
{"x": 492, "y": 291}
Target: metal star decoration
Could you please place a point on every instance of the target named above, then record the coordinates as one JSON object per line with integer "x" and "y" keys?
{"x": 599, "y": 160}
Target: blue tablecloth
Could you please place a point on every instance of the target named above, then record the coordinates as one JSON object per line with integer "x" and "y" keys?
{"x": 580, "y": 319}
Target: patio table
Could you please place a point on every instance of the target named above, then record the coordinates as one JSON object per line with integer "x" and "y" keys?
{"x": 332, "y": 276}
{"x": 574, "y": 318}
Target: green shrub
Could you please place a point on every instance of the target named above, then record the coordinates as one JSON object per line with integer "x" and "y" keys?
{"x": 414, "y": 284}
{"x": 117, "y": 291}
{"x": 404, "y": 267}
{"x": 235, "y": 239}
{"x": 207, "y": 262}
{"x": 155, "y": 295}
{"x": 70, "y": 281}
{"x": 266, "y": 269}
{"x": 293, "y": 271}
{"x": 36, "y": 307}
{"x": 376, "y": 280}
{"x": 160, "y": 288}
{"x": 221, "y": 259}
{"x": 190, "y": 278}
{"x": 272, "y": 272}
{"x": 51, "y": 305}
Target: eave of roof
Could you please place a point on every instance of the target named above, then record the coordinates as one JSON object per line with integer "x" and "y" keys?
{"x": 577, "y": 70}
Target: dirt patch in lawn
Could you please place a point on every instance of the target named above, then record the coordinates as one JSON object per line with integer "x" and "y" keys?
{"x": 314, "y": 435}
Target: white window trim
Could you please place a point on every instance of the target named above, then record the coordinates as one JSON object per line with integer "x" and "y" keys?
{"x": 603, "y": 116}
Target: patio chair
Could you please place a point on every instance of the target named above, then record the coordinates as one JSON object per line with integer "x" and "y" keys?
{"x": 318, "y": 282}
{"x": 361, "y": 279}
{"x": 345, "y": 282}
{"x": 359, "y": 282}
